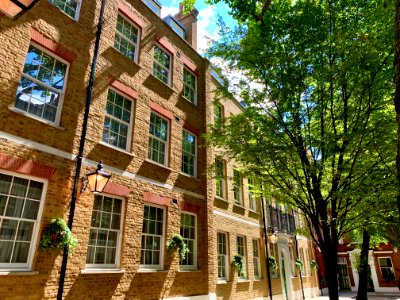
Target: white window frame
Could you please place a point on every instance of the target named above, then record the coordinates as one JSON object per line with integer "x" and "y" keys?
{"x": 152, "y": 5}
{"x": 237, "y": 188}
{"x": 190, "y": 88}
{"x": 77, "y": 12}
{"x": 194, "y": 265}
{"x": 221, "y": 181}
{"x": 292, "y": 261}
{"x": 130, "y": 125}
{"x": 242, "y": 250}
{"x": 36, "y": 81}
{"x": 160, "y": 65}
{"x": 252, "y": 197}
{"x": 224, "y": 255}
{"x": 137, "y": 44}
{"x": 303, "y": 259}
{"x": 160, "y": 266}
{"x": 273, "y": 252}
{"x": 166, "y": 154}
{"x": 35, "y": 232}
{"x": 380, "y": 267}
{"x": 256, "y": 259}
{"x": 119, "y": 238}
{"x": 191, "y": 154}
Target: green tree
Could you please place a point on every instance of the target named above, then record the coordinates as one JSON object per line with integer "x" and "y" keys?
{"x": 316, "y": 78}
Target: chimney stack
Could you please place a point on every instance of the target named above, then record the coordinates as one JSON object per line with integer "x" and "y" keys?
{"x": 189, "y": 20}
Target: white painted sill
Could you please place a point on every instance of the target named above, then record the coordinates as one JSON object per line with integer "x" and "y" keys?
{"x": 19, "y": 273}
{"x": 103, "y": 271}
{"x": 116, "y": 148}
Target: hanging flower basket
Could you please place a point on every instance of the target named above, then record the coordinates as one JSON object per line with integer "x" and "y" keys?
{"x": 238, "y": 263}
{"x": 177, "y": 242}
{"x": 299, "y": 265}
{"x": 314, "y": 265}
{"x": 57, "y": 235}
{"x": 272, "y": 263}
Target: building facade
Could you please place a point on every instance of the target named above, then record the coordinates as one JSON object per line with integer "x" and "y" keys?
{"x": 151, "y": 102}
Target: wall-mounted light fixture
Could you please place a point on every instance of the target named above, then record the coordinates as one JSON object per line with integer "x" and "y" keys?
{"x": 97, "y": 180}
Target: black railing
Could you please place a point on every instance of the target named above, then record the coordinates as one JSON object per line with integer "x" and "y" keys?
{"x": 280, "y": 221}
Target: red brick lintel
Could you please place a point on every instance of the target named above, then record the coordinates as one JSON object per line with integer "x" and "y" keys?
{"x": 161, "y": 110}
{"x": 191, "y": 66}
{"x": 156, "y": 199}
{"x": 191, "y": 128}
{"x": 190, "y": 207}
{"x": 52, "y": 46}
{"x": 167, "y": 45}
{"x": 116, "y": 189}
{"x": 26, "y": 167}
{"x": 123, "y": 88}
{"x": 130, "y": 15}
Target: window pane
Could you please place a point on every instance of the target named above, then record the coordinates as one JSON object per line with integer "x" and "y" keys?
{"x": 104, "y": 241}
{"x": 41, "y": 98}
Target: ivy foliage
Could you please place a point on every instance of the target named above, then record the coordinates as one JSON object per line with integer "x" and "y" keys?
{"x": 177, "y": 242}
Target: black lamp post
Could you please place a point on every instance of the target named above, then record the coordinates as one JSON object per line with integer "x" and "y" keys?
{"x": 266, "y": 247}
{"x": 99, "y": 172}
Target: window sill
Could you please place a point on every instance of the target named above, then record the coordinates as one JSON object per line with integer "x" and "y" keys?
{"x": 23, "y": 113}
{"x": 193, "y": 103}
{"x": 126, "y": 57}
{"x": 19, "y": 273}
{"x": 116, "y": 148}
{"x": 254, "y": 211}
{"x": 152, "y": 271}
{"x": 221, "y": 199}
{"x": 169, "y": 86}
{"x": 189, "y": 271}
{"x": 244, "y": 280}
{"x": 103, "y": 271}
{"x": 157, "y": 164}
{"x": 240, "y": 206}
{"x": 221, "y": 281}
{"x": 190, "y": 176}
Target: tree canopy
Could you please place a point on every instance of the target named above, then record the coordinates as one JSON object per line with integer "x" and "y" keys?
{"x": 316, "y": 77}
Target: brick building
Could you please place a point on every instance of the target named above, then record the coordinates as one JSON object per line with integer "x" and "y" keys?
{"x": 152, "y": 100}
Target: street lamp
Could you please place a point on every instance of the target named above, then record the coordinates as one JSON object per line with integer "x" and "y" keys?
{"x": 97, "y": 180}
{"x": 94, "y": 182}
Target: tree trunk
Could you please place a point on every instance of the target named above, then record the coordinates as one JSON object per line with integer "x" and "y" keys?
{"x": 363, "y": 269}
{"x": 397, "y": 97}
{"x": 329, "y": 253}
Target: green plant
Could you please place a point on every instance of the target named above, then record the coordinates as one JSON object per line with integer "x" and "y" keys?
{"x": 58, "y": 235}
{"x": 299, "y": 265}
{"x": 272, "y": 262}
{"x": 314, "y": 265}
{"x": 238, "y": 263}
{"x": 177, "y": 242}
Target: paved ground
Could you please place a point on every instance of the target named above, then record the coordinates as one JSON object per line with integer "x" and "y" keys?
{"x": 371, "y": 296}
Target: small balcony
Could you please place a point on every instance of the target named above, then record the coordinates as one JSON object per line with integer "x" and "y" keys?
{"x": 280, "y": 221}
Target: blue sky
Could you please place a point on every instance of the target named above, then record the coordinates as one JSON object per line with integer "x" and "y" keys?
{"x": 207, "y": 20}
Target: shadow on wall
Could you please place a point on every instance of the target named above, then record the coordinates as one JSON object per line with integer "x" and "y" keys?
{"x": 93, "y": 286}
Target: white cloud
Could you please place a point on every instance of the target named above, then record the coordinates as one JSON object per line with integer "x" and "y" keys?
{"x": 206, "y": 18}
{"x": 169, "y": 10}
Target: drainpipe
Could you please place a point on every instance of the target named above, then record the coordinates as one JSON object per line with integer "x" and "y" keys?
{"x": 79, "y": 157}
{"x": 266, "y": 247}
{"x": 297, "y": 254}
